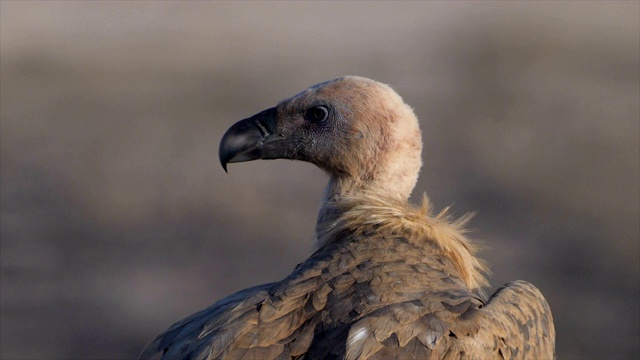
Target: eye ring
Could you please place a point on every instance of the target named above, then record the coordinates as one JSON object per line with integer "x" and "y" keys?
{"x": 317, "y": 114}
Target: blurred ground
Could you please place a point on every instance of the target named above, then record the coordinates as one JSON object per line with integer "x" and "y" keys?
{"x": 117, "y": 220}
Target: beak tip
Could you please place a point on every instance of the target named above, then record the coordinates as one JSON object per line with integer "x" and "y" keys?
{"x": 223, "y": 159}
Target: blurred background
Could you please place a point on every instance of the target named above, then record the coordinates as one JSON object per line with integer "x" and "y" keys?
{"x": 117, "y": 219}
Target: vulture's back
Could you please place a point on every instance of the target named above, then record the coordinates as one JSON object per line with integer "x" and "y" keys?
{"x": 366, "y": 295}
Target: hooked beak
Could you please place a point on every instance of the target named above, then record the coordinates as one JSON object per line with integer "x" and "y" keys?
{"x": 252, "y": 139}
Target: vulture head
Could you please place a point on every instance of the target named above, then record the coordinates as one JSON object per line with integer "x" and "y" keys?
{"x": 357, "y": 130}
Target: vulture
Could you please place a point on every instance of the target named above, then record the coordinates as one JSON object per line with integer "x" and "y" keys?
{"x": 388, "y": 279}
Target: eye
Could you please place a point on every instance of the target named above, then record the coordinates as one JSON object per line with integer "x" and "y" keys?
{"x": 317, "y": 114}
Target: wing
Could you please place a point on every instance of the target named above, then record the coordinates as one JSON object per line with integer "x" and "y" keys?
{"x": 190, "y": 338}
{"x": 516, "y": 323}
{"x": 264, "y": 322}
{"x": 416, "y": 329}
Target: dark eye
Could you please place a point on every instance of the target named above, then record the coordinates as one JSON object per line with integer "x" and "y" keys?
{"x": 317, "y": 114}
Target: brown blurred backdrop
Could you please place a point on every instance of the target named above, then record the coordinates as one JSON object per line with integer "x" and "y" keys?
{"x": 117, "y": 220}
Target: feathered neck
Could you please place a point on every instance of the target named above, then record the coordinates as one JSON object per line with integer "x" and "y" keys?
{"x": 368, "y": 213}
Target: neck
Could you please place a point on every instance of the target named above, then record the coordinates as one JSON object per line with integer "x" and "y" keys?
{"x": 339, "y": 188}
{"x": 335, "y": 191}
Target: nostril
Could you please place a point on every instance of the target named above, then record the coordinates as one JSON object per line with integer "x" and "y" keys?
{"x": 262, "y": 127}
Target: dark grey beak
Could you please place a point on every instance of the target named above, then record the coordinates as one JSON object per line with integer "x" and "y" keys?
{"x": 251, "y": 139}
